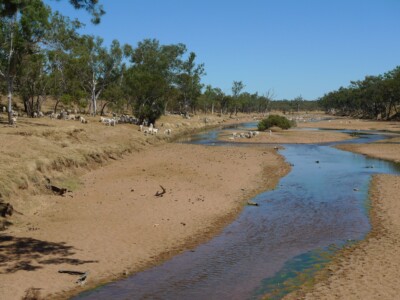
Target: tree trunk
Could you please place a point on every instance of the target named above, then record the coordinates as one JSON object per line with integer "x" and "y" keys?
{"x": 55, "y": 106}
{"x": 94, "y": 106}
{"x": 102, "y": 109}
{"x": 9, "y": 97}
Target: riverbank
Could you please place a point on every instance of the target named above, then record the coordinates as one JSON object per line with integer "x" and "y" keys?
{"x": 369, "y": 269}
{"x": 112, "y": 223}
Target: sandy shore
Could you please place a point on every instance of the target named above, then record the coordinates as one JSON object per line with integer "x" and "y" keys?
{"x": 291, "y": 136}
{"x": 114, "y": 225}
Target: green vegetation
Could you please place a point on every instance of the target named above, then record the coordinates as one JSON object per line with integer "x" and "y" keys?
{"x": 375, "y": 97}
{"x": 274, "y": 121}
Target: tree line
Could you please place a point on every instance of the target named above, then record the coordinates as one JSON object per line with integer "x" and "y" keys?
{"x": 42, "y": 55}
{"x": 374, "y": 97}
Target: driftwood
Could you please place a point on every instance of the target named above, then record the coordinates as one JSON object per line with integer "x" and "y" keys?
{"x": 160, "y": 194}
{"x": 249, "y": 202}
{"x": 82, "y": 278}
{"x": 55, "y": 189}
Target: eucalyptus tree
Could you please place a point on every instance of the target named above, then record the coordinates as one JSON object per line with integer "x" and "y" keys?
{"x": 22, "y": 30}
{"x": 264, "y": 101}
{"x": 189, "y": 81}
{"x": 97, "y": 66}
{"x": 210, "y": 97}
{"x": 237, "y": 88}
{"x": 151, "y": 77}
{"x": 32, "y": 82}
{"x": 392, "y": 91}
{"x": 63, "y": 82}
{"x": 297, "y": 102}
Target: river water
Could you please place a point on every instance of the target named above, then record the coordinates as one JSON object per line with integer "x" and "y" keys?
{"x": 321, "y": 204}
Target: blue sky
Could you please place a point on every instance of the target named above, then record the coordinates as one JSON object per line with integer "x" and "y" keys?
{"x": 290, "y": 47}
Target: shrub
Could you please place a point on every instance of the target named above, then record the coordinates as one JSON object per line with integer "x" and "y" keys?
{"x": 274, "y": 120}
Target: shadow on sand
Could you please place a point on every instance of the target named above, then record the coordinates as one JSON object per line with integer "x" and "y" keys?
{"x": 28, "y": 254}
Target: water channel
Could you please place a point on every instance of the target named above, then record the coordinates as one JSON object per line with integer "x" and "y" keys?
{"x": 320, "y": 205}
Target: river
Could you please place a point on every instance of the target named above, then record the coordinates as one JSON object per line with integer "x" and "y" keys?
{"x": 322, "y": 204}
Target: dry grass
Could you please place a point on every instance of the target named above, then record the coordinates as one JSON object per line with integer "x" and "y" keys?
{"x": 60, "y": 150}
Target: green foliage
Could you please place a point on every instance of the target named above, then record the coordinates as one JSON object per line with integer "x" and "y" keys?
{"x": 374, "y": 97}
{"x": 188, "y": 81}
{"x": 274, "y": 120}
{"x": 149, "y": 81}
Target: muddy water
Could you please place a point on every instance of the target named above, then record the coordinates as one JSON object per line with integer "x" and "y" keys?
{"x": 323, "y": 201}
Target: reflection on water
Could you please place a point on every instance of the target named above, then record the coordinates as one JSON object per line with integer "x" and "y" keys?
{"x": 319, "y": 203}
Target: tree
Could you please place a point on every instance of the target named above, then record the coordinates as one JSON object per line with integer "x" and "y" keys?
{"x": 211, "y": 96}
{"x": 97, "y": 66}
{"x": 10, "y": 8}
{"x": 63, "y": 84}
{"x": 23, "y": 28}
{"x": 23, "y": 24}
{"x": 188, "y": 81}
{"x": 297, "y": 102}
{"x": 151, "y": 77}
{"x": 237, "y": 87}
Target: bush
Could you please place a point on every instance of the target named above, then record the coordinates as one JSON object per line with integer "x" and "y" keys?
{"x": 274, "y": 120}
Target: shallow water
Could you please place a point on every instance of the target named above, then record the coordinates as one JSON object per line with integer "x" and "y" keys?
{"x": 322, "y": 201}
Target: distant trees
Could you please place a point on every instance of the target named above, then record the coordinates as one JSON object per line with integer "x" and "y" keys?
{"x": 42, "y": 55}
{"x": 375, "y": 97}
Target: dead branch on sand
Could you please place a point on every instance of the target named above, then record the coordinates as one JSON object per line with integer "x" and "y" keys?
{"x": 160, "y": 194}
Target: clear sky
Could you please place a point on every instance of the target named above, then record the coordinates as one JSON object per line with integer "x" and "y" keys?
{"x": 291, "y": 47}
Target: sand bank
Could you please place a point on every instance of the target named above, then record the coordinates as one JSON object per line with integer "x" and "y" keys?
{"x": 291, "y": 136}
{"x": 114, "y": 225}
